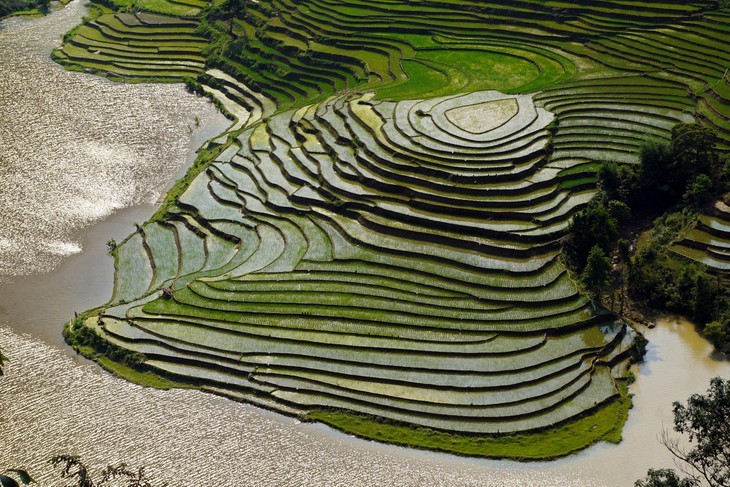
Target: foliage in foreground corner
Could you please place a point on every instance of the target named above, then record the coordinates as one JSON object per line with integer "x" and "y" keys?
{"x": 74, "y": 469}
{"x": 664, "y": 477}
{"x": 705, "y": 420}
{"x": 11, "y": 477}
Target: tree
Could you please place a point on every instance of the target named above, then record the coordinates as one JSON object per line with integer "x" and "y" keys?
{"x": 718, "y": 333}
{"x": 619, "y": 211}
{"x": 624, "y": 250}
{"x": 609, "y": 180}
{"x": 693, "y": 150}
{"x": 591, "y": 227}
{"x": 705, "y": 298}
{"x": 700, "y": 190}
{"x": 654, "y": 180}
{"x": 73, "y": 468}
{"x": 597, "y": 271}
{"x": 706, "y": 421}
{"x": 664, "y": 477}
{"x": 234, "y": 9}
{"x": 111, "y": 245}
{"x": 688, "y": 166}
{"x": 638, "y": 348}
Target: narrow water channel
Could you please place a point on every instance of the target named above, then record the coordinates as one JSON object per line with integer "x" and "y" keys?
{"x": 81, "y": 159}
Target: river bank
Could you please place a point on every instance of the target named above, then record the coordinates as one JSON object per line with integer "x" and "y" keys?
{"x": 54, "y": 403}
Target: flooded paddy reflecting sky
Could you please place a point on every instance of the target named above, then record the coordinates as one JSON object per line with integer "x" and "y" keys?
{"x": 76, "y": 149}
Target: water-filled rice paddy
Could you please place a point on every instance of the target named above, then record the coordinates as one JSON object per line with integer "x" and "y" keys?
{"x": 383, "y": 182}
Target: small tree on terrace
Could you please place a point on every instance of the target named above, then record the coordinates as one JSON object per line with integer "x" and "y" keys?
{"x": 597, "y": 271}
{"x": 234, "y": 9}
{"x": 593, "y": 226}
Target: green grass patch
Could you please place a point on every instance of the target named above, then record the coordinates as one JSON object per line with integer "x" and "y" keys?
{"x": 438, "y": 72}
{"x": 205, "y": 156}
{"x": 604, "y": 425}
{"x": 147, "y": 379}
{"x": 486, "y": 70}
{"x": 33, "y": 12}
{"x": 572, "y": 183}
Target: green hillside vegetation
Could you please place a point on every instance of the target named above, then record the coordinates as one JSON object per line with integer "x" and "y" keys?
{"x": 24, "y": 7}
{"x": 376, "y": 244}
{"x": 677, "y": 264}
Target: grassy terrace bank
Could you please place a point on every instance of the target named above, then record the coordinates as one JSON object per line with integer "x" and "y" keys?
{"x": 376, "y": 242}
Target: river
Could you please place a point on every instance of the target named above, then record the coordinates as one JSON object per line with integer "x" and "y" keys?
{"x": 81, "y": 160}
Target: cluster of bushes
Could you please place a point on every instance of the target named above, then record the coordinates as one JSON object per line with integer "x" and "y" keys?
{"x": 79, "y": 336}
{"x": 673, "y": 182}
{"x": 9, "y": 7}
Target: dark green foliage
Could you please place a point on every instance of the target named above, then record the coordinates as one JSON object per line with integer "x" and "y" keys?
{"x": 609, "y": 180}
{"x": 686, "y": 174}
{"x": 705, "y": 294}
{"x": 78, "y": 336}
{"x": 597, "y": 271}
{"x": 620, "y": 183}
{"x": 680, "y": 286}
{"x": 638, "y": 348}
{"x": 700, "y": 190}
{"x": 687, "y": 168}
{"x": 111, "y": 245}
{"x": 705, "y": 421}
{"x": 592, "y": 227}
{"x": 693, "y": 149}
{"x": 9, "y": 476}
{"x": 658, "y": 281}
{"x": 664, "y": 477}
{"x": 624, "y": 250}
{"x": 654, "y": 175}
{"x": 8, "y": 7}
{"x": 718, "y": 333}
{"x": 119, "y": 475}
{"x": 619, "y": 211}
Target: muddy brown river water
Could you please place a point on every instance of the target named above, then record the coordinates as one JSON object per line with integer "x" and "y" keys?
{"x": 81, "y": 160}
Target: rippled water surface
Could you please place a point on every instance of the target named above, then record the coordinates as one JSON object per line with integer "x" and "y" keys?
{"x": 52, "y": 403}
{"x": 75, "y": 148}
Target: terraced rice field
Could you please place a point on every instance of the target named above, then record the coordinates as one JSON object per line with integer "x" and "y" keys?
{"x": 390, "y": 258}
{"x": 708, "y": 242}
{"x": 380, "y": 232}
{"x": 137, "y": 46}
